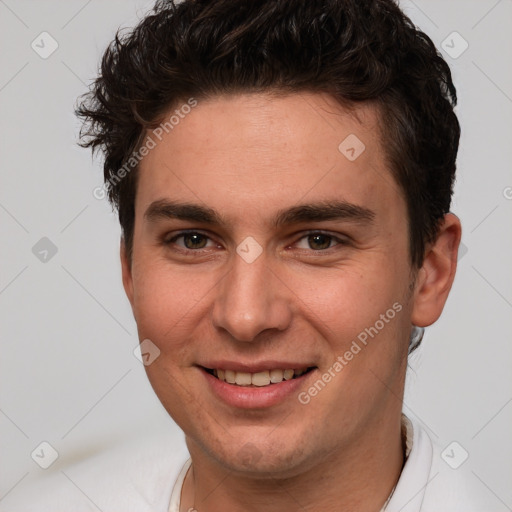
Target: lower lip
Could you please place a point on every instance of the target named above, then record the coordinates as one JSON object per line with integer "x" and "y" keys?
{"x": 248, "y": 397}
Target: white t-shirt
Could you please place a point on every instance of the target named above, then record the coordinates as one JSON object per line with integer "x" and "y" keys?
{"x": 147, "y": 476}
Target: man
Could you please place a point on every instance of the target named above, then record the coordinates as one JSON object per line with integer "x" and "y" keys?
{"x": 283, "y": 173}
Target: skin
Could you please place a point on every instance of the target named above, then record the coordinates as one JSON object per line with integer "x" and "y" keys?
{"x": 248, "y": 157}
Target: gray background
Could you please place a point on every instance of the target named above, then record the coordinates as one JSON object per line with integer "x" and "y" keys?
{"x": 68, "y": 373}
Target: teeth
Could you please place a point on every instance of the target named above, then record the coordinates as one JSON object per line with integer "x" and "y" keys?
{"x": 276, "y": 376}
{"x": 263, "y": 378}
{"x": 288, "y": 374}
{"x": 243, "y": 379}
{"x": 229, "y": 375}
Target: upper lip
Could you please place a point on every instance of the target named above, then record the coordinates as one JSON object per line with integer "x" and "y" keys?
{"x": 253, "y": 367}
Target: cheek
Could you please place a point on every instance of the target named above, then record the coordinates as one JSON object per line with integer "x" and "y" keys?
{"x": 161, "y": 299}
{"x": 165, "y": 305}
{"x": 169, "y": 301}
{"x": 344, "y": 302}
{"x": 362, "y": 319}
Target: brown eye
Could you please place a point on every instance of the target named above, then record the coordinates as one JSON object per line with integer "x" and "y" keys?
{"x": 190, "y": 240}
{"x": 194, "y": 240}
{"x": 319, "y": 241}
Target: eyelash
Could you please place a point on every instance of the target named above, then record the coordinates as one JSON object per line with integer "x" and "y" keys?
{"x": 181, "y": 234}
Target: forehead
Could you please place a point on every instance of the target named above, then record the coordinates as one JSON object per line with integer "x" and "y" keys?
{"x": 256, "y": 153}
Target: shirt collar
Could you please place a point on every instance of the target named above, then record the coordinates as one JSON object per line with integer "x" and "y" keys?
{"x": 410, "y": 489}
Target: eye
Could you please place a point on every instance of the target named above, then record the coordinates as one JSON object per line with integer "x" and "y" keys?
{"x": 191, "y": 240}
{"x": 318, "y": 241}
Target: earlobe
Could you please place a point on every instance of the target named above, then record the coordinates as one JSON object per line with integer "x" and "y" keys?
{"x": 437, "y": 273}
{"x": 126, "y": 272}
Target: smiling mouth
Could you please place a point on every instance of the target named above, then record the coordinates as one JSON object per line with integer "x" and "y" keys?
{"x": 258, "y": 379}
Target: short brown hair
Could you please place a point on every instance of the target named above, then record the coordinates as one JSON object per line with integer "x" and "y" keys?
{"x": 355, "y": 50}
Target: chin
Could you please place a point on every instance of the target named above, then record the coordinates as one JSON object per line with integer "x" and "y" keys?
{"x": 261, "y": 459}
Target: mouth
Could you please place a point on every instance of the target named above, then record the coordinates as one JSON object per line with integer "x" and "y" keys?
{"x": 259, "y": 379}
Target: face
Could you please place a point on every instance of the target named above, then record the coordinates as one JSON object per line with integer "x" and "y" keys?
{"x": 262, "y": 245}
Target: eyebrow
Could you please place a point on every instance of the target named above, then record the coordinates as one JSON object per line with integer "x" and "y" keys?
{"x": 322, "y": 211}
{"x": 303, "y": 213}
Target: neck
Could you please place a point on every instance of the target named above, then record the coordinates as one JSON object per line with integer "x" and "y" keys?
{"x": 358, "y": 477}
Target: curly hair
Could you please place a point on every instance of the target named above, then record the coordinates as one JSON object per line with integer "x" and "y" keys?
{"x": 355, "y": 50}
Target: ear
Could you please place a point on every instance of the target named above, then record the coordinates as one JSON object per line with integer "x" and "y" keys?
{"x": 435, "y": 278}
{"x": 126, "y": 270}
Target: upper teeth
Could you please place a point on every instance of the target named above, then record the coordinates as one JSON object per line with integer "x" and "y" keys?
{"x": 257, "y": 379}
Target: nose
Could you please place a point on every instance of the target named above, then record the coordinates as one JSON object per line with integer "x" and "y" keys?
{"x": 251, "y": 299}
